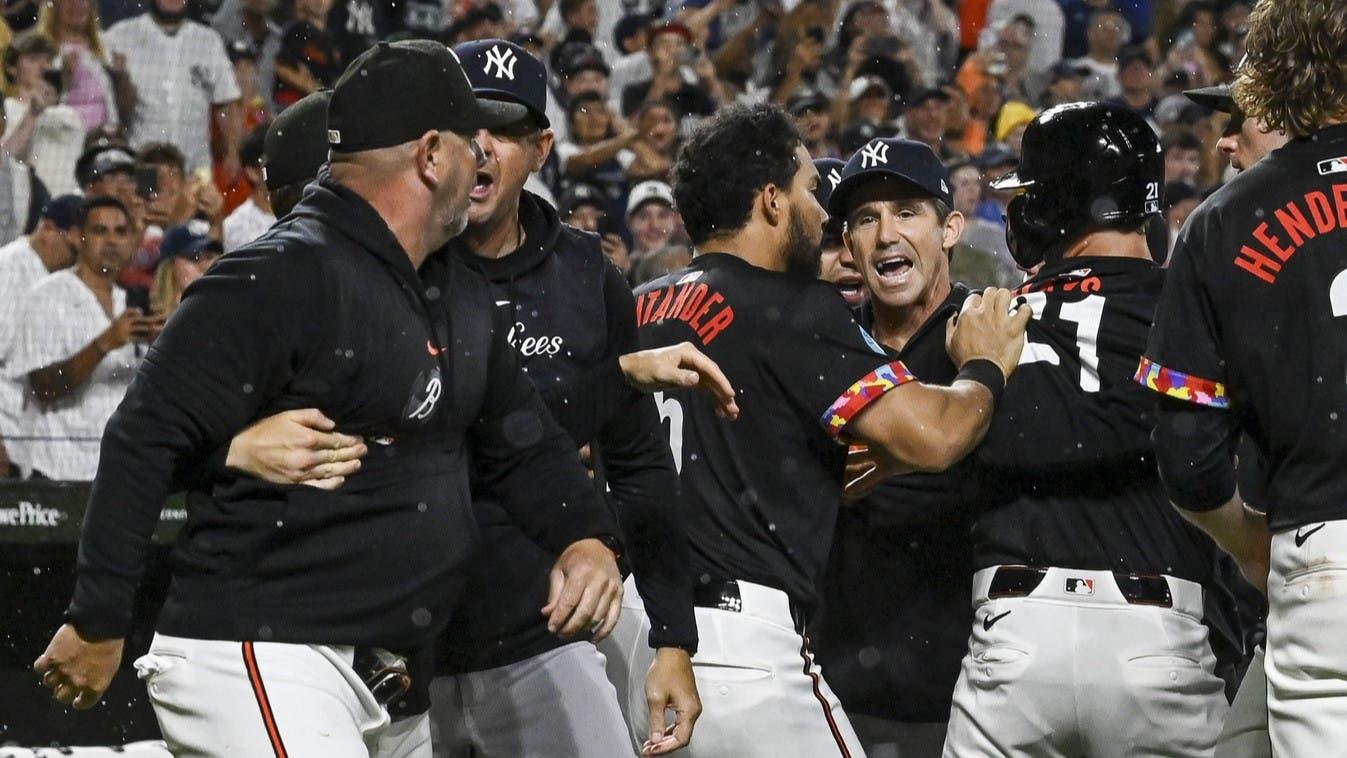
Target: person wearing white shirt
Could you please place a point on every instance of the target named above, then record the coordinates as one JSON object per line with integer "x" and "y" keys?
{"x": 183, "y": 79}
{"x": 255, "y": 216}
{"x": 1049, "y": 28}
{"x": 78, "y": 346}
{"x": 1107, "y": 34}
{"x": 51, "y": 247}
{"x": 41, "y": 131}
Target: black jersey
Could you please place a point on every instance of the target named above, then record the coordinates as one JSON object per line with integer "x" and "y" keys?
{"x": 893, "y": 625}
{"x": 1252, "y": 321}
{"x": 1068, "y": 457}
{"x": 762, "y": 492}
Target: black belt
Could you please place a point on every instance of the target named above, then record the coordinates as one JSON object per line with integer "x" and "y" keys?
{"x": 385, "y": 673}
{"x": 1137, "y": 589}
{"x": 724, "y": 595}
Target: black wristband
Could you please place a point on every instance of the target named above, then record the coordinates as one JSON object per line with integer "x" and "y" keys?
{"x": 986, "y": 373}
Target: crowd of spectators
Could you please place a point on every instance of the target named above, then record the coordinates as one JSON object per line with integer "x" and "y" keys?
{"x": 160, "y": 107}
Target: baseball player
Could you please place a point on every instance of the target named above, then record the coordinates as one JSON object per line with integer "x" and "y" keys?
{"x": 1088, "y": 600}
{"x": 1248, "y": 339}
{"x": 505, "y": 671}
{"x": 1244, "y": 140}
{"x": 836, "y": 264}
{"x": 761, "y": 494}
{"x": 286, "y": 600}
{"x": 893, "y": 626}
{"x": 1245, "y": 735}
{"x": 507, "y": 684}
{"x": 294, "y": 149}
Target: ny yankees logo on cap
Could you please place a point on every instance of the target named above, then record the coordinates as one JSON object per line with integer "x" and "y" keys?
{"x": 834, "y": 178}
{"x": 874, "y": 154}
{"x": 503, "y": 60}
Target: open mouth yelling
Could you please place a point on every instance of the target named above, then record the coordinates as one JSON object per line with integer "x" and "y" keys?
{"x": 482, "y": 189}
{"x": 895, "y": 270}
{"x": 851, "y": 289}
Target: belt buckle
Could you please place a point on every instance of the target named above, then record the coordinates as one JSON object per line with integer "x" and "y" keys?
{"x": 385, "y": 674}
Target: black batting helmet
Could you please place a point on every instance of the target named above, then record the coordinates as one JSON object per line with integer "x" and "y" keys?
{"x": 1084, "y": 166}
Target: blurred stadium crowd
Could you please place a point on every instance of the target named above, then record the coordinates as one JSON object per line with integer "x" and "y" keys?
{"x": 164, "y": 105}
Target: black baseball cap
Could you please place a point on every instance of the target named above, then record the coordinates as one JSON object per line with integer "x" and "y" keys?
{"x": 240, "y": 49}
{"x": 502, "y": 70}
{"x": 575, "y": 57}
{"x": 928, "y": 93}
{"x": 62, "y": 211}
{"x": 580, "y": 195}
{"x": 829, "y": 176}
{"x": 806, "y": 99}
{"x": 902, "y": 159}
{"x": 296, "y": 143}
{"x": 180, "y": 240}
{"x": 1064, "y": 68}
{"x": 395, "y": 92}
{"x": 1216, "y": 98}
{"x": 857, "y": 134}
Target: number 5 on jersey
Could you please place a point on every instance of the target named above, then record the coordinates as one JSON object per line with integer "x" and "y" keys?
{"x": 672, "y": 411}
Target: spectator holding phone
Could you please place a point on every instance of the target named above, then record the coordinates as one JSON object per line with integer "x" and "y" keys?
{"x": 683, "y": 75}
{"x": 171, "y": 198}
{"x": 656, "y": 142}
{"x": 41, "y": 132}
{"x": 77, "y": 346}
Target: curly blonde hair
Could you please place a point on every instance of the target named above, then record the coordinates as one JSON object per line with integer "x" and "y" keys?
{"x": 1294, "y": 76}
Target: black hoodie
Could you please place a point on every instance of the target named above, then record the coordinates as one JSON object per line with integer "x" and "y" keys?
{"x": 571, "y": 316}
{"x": 323, "y": 311}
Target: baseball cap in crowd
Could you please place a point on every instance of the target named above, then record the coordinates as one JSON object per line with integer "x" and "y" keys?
{"x": 296, "y": 143}
{"x": 1216, "y": 98}
{"x": 857, "y": 134}
{"x": 829, "y": 176}
{"x": 922, "y": 96}
{"x": 578, "y": 196}
{"x": 863, "y": 86}
{"x": 997, "y": 158}
{"x": 896, "y": 159}
{"x": 395, "y": 92}
{"x": 111, "y": 161}
{"x": 62, "y": 211}
{"x": 241, "y": 49}
{"x": 1065, "y": 69}
{"x": 501, "y": 70}
{"x": 806, "y": 99}
{"x": 671, "y": 27}
{"x": 649, "y": 192}
{"x": 180, "y": 240}
{"x": 578, "y": 56}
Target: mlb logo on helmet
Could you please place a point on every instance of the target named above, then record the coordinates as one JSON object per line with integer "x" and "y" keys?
{"x": 1078, "y": 586}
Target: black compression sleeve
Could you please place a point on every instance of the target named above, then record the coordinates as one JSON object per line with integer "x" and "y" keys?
{"x": 644, "y": 484}
{"x": 1194, "y": 447}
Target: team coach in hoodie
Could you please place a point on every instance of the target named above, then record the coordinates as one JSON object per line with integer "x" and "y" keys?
{"x": 278, "y": 589}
